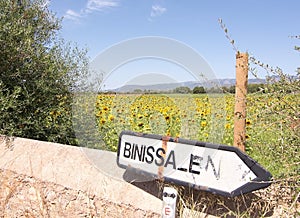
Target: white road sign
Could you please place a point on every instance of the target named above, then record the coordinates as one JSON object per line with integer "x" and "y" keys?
{"x": 215, "y": 168}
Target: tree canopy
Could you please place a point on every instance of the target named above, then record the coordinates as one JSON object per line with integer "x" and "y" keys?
{"x": 38, "y": 71}
{"x": 182, "y": 90}
{"x": 198, "y": 90}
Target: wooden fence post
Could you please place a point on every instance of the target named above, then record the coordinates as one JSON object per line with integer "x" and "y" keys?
{"x": 240, "y": 100}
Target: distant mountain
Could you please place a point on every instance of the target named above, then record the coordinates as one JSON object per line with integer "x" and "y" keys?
{"x": 190, "y": 84}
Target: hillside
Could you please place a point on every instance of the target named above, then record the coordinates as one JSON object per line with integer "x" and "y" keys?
{"x": 190, "y": 84}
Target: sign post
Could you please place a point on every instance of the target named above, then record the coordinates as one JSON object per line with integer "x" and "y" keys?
{"x": 219, "y": 169}
{"x": 169, "y": 202}
{"x": 239, "y": 138}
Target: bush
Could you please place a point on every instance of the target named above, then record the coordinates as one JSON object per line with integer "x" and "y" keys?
{"x": 38, "y": 71}
{"x": 199, "y": 90}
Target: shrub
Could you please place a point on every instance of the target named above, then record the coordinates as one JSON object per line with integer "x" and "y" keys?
{"x": 38, "y": 71}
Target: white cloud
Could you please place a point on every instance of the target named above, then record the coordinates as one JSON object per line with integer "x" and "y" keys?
{"x": 157, "y": 10}
{"x": 90, "y": 7}
{"x": 99, "y": 5}
{"x": 72, "y": 15}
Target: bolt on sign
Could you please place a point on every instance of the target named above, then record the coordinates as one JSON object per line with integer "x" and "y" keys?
{"x": 220, "y": 169}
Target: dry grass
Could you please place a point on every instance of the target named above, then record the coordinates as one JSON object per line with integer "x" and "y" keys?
{"x": 281, "y": 199}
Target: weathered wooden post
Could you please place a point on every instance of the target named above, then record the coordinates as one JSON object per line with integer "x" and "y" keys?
{"x": 240, "y": 100}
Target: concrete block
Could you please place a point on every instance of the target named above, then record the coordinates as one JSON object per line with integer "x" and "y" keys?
{"x": 76, "y": 168}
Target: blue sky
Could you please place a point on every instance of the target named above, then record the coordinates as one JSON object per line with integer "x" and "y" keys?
{"x": 260, "y": 27}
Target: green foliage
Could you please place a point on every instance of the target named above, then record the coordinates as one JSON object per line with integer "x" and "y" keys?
{"x": 255, "y": 88}
{"x": 198, "y": 90}
{"x": 277, "y": 140}
{"x": 38, "y": 71}
{"x": 230, "y": 89}
{"x": 182, "y": 90}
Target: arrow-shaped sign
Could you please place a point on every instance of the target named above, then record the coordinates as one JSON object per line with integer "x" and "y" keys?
{"x": 220, "y": 169}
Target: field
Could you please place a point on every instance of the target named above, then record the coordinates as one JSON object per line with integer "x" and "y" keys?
{"x": 272, "y": 129}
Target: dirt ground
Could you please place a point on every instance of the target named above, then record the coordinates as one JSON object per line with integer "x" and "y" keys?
{"x": 24, "y": 196}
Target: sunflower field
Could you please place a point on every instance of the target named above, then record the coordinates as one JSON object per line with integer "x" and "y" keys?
{"x": 271, "y": 137}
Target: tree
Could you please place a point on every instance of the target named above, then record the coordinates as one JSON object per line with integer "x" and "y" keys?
{"x": 253, "y": 88}
{"x": 137, "y": 91}
{"x": 232, "y": 89}
{"x": 38, "y": 71}
{"x": 182, "y": 90}
{"x": 198, "y": 90}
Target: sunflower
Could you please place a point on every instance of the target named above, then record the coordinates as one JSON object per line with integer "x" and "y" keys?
{"x": 102, "y": 121}
{"x": 227, "y": 126}
{"x": 248, "y": 122}
{"x": 111, "y": 117}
